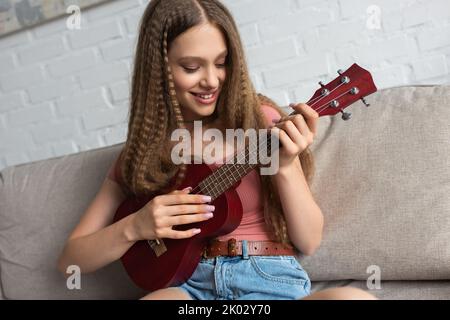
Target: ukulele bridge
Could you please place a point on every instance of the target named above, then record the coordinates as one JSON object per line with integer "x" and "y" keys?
{"x": 158, "y": 246}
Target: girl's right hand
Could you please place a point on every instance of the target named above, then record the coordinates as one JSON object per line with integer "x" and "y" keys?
{"x": 156, "y": 219}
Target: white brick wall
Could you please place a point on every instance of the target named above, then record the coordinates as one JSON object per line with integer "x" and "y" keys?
{"x": 64, "y": 91}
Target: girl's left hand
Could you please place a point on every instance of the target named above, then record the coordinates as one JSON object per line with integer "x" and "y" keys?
{"x": 296, "y": 133}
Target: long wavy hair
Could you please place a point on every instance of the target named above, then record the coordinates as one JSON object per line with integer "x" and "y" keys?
{"x": 146, "y": 166}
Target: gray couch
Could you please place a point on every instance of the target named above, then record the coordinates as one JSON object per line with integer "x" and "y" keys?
{"x": 382, "y": 181}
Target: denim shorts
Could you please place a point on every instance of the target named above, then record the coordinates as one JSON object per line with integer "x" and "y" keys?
{"x": 248, "y": 278}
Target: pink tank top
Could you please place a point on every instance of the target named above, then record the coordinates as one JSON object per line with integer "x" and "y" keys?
{"x": 253, "y": 226}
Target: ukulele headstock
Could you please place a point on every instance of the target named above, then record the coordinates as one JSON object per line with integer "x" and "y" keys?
{"x": 350, "y": 86}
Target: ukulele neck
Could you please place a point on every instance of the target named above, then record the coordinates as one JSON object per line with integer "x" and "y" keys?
{"x": 352, "y": 85}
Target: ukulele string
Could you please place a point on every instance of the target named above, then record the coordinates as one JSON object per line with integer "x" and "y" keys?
{"x": 323, "y": 95}
{"x": 326, "y": 105}
{"x": 240, "y": 157}
{"x": 225, "y": 169}
{"x": 252, "y": 152}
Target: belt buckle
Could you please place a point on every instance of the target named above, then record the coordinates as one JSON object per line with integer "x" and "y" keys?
{"x": 232, "y": 247}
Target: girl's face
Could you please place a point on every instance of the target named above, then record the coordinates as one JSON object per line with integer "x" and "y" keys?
{"x": 197, "y": 58}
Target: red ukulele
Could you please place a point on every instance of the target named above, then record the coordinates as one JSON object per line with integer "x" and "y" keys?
{"x": 156, "y": 264}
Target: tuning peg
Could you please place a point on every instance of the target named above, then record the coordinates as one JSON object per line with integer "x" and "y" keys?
{"x": 354, "y": 90}
{"x": 365, "y": 102}
{"x": 321, "y": 84}
{"x": 345, "y": 79}
{"x": 346, "y": 115}
{"x": 340, "y": 71}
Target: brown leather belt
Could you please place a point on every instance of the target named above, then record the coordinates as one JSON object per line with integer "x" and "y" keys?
{"x": 233, "y": 248}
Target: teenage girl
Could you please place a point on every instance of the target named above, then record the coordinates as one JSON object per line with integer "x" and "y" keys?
{"x": 190, "y": 66}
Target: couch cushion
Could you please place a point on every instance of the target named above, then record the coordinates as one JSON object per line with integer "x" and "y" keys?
{"x": 383, "y": 184}
{"x": 40, "y": 206}
{"x": 395, "y": 290}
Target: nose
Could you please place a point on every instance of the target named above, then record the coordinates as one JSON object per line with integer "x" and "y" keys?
{"x": 211, "y": 79}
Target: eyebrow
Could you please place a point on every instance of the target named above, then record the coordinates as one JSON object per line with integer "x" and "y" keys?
{"x": 201, "y": 59}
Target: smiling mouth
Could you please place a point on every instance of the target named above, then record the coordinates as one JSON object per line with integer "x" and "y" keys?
{"x": 205, "y": 99}
{"x": 204, "y": 96}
